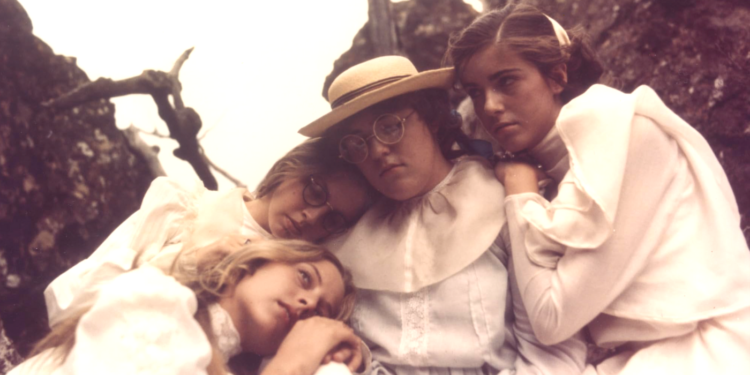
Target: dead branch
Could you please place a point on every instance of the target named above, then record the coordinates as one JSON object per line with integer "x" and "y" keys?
{"x": 224, "y": 173}
{"x": 149, "y": 154}
{"x": 184, "y": 123}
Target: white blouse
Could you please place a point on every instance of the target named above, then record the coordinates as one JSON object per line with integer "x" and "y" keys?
{"x": 142, "y": 323}
{"x": 464, "y": 320}
{"x": 169, "y": 216}
{"x": 642, "y": 242}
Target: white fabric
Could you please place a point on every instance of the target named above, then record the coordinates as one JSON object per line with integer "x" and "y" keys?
{"x": 141, "y": 324}
{"x": 169, "y": 216}
{"x": 227, "y": 337}
{"x": 464, "y": 323}
{"x": 642, "y": 242}
{"x": 405, "y": 246}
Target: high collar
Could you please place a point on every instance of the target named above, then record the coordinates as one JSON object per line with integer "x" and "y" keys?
{"x": 552, "y": 154}
{"x": 227, "y": 337}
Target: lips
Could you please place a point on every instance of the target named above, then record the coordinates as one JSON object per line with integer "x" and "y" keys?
{"x": 289, "y": 316}
{"x": 292, "y": 227}
{"x": 389, "y": 168}
{"x": 503, "y": 125}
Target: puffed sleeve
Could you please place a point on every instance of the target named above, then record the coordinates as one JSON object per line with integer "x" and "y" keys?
{"x": 142, "y": 323}
{"x": 575, "y": 283}
{"x": 164, "y": 208}
{"x": 565, "y": 358}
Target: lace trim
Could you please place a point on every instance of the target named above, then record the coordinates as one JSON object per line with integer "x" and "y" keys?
{"x": 227, "y": 337}
{"x": 415, "y": 324}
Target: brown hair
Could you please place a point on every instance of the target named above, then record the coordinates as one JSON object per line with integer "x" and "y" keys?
{"x": 432, "y": 105}
{"x": 528, "y": 31}
{"x": 311, "y": 157}
{"x": 215, "y": 273}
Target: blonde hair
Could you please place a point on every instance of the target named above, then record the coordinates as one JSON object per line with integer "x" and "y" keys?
{"x": 215, "y": 274}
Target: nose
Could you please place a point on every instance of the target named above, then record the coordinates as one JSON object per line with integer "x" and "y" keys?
{"x": 307, "y": 303}
{"x": 377, "y": 149}
{"x": 493, "y": 103}
{"x": 313, "y": 215}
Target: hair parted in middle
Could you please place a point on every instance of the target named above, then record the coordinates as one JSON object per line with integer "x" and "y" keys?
{"x": 529, "y": 33}
{"x": 314, "y": 156}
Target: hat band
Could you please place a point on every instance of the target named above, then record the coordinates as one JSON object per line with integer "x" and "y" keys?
{"x": 369, "y": 87}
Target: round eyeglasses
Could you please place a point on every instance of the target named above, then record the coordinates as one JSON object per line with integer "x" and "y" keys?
{"x": 316, "y": 195}
{"x": 388, "y": 129}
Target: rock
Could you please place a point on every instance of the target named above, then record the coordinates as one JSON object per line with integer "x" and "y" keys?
{"x": 67, "y": 178}
{"x": 695, "y": 54}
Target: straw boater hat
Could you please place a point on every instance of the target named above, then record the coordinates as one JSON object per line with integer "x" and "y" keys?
{"x": 372, "y": 82}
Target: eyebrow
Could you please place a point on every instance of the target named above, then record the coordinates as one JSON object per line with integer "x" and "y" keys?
{"x": 323, "y": 303}
{"x": 320, "y": 279}
{"x": 500, "y": 73}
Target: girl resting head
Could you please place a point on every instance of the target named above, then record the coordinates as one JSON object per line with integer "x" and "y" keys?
{"x": 282, "y": 296}
{"x": 393, "y": 123}
{"x": 309, "y": 194}
{"x": 519, "y": 67}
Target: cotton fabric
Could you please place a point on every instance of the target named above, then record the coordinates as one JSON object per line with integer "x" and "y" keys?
{"x": 143, "y": 323}
{"x": 641, "y": 243}
{"x": 460, "y": 320}
{"x": 169, "y": 216}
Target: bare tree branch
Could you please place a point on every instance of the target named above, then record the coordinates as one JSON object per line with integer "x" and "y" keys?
{"x": 382, "y": 28}
{"x": 224, "y": 173}
{"x": 184, "y": 123}
{"x": 149, "y": 154}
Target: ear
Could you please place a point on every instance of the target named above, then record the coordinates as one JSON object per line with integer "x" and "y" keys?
{"x": 558, "y": 78}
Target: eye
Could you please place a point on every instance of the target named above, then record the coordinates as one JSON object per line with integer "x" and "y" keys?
{"x": 505, "y": 81}
{"x": 305, "y": 277}
{"x": 473, "y": 93}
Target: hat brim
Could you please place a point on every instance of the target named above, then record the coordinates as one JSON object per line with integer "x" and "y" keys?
{"x": 438, "y": 78}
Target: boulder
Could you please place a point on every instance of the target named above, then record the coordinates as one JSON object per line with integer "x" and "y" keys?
{"x": 67, "y": 178}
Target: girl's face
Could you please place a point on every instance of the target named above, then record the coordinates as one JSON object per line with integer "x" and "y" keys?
{"x": 264, "y": 306}
{"x": 291, "y": 216}
{"x": 404, "y": 170}
{"x": 517, "y": 105}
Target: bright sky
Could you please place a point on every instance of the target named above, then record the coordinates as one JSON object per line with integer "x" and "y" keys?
{"x": 255, "y": 76}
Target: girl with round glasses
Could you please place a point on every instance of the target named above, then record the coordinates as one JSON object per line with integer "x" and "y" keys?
{"x": 429, "y": 260}
{"x": 640, "y": 241}
{"x": 306, "y": 195}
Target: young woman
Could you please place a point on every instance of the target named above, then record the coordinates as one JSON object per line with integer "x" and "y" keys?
{"x": 428, "y": 260}
{"x": 640, "y": 241}
{"x": 305, "y": 195}
{"x": 147, "y": 322}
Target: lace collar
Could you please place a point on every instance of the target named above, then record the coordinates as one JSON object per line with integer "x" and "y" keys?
{"x": 227, "y": 337}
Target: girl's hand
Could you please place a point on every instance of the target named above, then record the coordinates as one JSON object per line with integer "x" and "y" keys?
{"x": 518, "y": 177}
{"x": 310, "y": 342}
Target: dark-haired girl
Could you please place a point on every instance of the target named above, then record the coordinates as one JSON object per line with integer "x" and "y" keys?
{"x": 639, "y": 241}
{"x": 429, "y": 260}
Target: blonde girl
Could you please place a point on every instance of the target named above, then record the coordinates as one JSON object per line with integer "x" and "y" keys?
{"x": 277, "y": 296}
{"x": 306, "y": 195}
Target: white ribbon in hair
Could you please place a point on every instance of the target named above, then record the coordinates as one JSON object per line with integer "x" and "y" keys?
{"x": 562, "y": 36}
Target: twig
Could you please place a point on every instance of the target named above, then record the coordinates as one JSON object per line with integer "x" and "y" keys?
{"x": 183, "y": 122}
{"x": 224, "y": 173}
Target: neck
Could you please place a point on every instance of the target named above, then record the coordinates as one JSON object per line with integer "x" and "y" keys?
{"x": 552, "y": 154}
{"x": 258, "y": 209}
{"x": 229, "y": 304}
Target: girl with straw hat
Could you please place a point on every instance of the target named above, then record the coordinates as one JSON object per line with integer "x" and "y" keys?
{"x": 430, "y": 258}
{"x": 641, "y": 243}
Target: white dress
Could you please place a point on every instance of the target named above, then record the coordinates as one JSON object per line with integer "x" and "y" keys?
{"x": 143, "y": 323}
{"x": 169, "y": 216}
{"x": 421, "y": 315}
{"x": 642, "y": 243}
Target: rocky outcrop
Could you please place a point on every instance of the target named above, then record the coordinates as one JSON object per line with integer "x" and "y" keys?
{"x": 67, "y": 178}
{"x": 695, "y": 54}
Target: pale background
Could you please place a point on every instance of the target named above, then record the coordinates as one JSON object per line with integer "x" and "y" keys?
{"x": 255, "y": 76}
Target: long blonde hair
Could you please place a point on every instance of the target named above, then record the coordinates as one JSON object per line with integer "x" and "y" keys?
{"x": 215, "y": 274}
